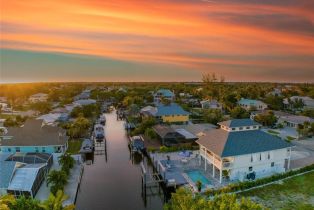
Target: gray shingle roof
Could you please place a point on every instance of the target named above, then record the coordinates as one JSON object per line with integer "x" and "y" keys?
{"x": 226, "y": 144}
{"x": 239, "y": 123}
{"x": 163, "y": 130}
{"x": 34, "y": 134}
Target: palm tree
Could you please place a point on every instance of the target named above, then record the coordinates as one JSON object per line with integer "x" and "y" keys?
{"x": 54, "y": 202}
{"x": 58, "y": 179}
{"x": 67, "y": 162}
{"x": 26, "y": 203}
{"x": 6, "y": 201}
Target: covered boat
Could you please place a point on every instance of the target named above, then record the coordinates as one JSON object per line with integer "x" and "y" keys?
{"x": 137, "y": 144}
{"x": 99, "y": 132}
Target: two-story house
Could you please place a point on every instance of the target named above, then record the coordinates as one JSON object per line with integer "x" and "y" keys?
{"x": 240, "y": 150}
{"x": 171, "y": 113}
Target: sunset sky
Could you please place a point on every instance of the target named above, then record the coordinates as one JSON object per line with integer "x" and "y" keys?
{"x": 156, "y": 40}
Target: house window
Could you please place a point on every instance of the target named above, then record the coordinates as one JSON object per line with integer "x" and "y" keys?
{"x": 268, "y": 156}
{"x": 9, "y": 149}
{"x": 241, "y": 128}
{"x": 254, "y": 126}
{"x": 272, "y": 164}
{"x": 260, "y": 156}
{"x": 36, "y": 149}
{"x": 251, "y": 158}
{"x": 248, "y": 127}
{"x": 233, "y": 129}
{"x": 43, "y": 149}
{"x": 17, "y": 149}
{"x": 250, "y": 168}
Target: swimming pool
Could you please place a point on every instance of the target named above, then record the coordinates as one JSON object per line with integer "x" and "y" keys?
{"x": 197, "y": 175}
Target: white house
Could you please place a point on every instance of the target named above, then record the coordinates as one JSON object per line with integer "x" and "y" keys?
{"x": 307, "y": 101}
{"x": 249, "y": 104}
{"x": 294, "y": 120}
{"x": 211, "y": 104}
{"x": 39, "y": 97}
{"x": 241, "y": 150}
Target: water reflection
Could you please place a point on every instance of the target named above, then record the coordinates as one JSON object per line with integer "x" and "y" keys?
{"x": 113, "y": 181}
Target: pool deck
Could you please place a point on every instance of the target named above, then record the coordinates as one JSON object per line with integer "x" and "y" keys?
{"x": 175, "y": 169}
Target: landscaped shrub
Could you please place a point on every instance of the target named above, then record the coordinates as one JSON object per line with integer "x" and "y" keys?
{"x": 164, "y": 149}
{"x": 249, "y": 184}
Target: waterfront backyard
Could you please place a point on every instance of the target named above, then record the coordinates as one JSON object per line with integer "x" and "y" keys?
{"x": 292, "y": 193}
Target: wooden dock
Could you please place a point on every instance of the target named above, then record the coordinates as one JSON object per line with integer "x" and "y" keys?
{"x": 100, "y": 147}
{"x": 150, "y": 179}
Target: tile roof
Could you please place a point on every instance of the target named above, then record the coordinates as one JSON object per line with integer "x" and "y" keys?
{"x": 226, "y": 144}
{"x": 171, "y": 109}
{"x": 238, "y": 123}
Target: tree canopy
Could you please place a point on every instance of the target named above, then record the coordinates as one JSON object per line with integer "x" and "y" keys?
{"x": 183, "y": 199}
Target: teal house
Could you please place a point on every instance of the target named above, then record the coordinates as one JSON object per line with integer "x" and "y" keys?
{"x": 34, "y": 137}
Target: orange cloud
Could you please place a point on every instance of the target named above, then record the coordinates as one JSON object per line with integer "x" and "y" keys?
{"x": 190, "y": 34}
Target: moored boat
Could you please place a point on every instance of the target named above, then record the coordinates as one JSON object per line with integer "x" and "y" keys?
{"x": 99, "y": 132}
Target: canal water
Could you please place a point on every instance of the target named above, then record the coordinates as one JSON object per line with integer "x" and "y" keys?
{"x": 113, "y": 181}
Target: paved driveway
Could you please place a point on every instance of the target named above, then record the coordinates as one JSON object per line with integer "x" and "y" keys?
{"x": 302, "y": 154}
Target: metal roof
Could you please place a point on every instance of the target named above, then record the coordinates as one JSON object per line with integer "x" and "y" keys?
{"x": 249, "y": 101}
{"x": 186, "y": 134}
{"x": 171, "y": 109}
{"x": 6, "y": 171}
{"x": 23, "y": 178}
{"x": 166, "y": 92}
{"x": 238, "y": 123}
{"x": 226, "y": 144}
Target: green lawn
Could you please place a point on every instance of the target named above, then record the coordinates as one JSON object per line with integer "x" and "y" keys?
{"x": 273, "y": 132}
{"x": 294, "y": 193}
{"x": 74, "y": 146}
{"x": 290, "y": 138}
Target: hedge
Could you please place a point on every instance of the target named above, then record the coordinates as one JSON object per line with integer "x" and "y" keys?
{"x": 240, "y": 186}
